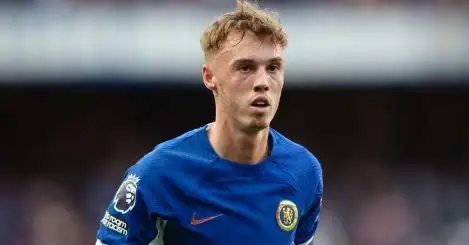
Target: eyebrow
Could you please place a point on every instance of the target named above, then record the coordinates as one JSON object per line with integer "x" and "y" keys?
{"x": 247, "y": 60}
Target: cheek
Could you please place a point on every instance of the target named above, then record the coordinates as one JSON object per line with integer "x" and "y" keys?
{"x": 277, "y": 85}
{"x": 239, "y": 87}
{"x": 230, "y": 96}
{"x": 243, "y": 82}
{"x": 276, "y": 90}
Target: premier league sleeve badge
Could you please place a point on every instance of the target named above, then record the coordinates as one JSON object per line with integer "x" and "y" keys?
{"x": 125, "y": 198}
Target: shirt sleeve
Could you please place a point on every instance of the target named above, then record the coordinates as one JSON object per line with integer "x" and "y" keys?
{"x": 308, "y": 224}
{"x": 127, "y": 219}
{"x": 309, "y": 221}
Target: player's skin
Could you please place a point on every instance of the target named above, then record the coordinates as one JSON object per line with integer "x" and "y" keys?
{"x": 242, "y": 71}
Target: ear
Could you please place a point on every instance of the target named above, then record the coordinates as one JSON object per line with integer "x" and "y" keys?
{"x": 207, "y": 75}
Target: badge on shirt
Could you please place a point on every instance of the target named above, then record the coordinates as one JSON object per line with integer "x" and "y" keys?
{"x": 287, "y": 215}
{"x": 126, "y": 196}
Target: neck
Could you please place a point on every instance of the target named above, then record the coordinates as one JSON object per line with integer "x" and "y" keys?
{"x": 235, "y": 145}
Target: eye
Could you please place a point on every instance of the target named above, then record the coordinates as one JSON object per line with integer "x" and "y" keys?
{"x": 273, "y": 68}
{"x": 244, "y": 68}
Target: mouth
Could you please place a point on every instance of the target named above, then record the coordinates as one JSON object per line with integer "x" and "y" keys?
{"x": 260, "y": 102}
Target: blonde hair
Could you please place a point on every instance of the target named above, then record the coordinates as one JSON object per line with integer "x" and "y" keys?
{"x": 246, "y": 17}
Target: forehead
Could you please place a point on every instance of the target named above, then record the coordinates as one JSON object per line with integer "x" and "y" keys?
{"x": 249, "y": 46}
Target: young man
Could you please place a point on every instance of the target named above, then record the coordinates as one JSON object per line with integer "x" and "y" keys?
{"x": 236, "y": 180}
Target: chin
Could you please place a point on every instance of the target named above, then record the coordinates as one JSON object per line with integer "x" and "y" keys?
{"x": 257, "y": 125}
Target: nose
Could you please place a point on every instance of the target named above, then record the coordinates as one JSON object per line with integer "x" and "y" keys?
{"x": 262, "y": 83}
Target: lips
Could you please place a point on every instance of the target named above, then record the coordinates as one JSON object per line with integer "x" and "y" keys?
{"x": 260, "y": 102}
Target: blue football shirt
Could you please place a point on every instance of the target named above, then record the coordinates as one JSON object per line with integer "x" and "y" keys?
{"x": 183, "y": 193}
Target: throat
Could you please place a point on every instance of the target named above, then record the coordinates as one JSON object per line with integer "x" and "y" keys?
{"x": 251, "y": 151}
{"x": 239, "y": 147}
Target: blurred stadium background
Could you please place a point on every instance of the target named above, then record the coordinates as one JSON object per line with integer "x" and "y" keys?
{"x": 377, "y": 89}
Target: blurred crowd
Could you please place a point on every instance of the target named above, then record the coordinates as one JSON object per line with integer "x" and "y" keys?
{"x": 395, "y": 163}
{"x": 231, "y": 2}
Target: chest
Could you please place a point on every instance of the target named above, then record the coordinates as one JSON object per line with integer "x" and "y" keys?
{"x": 241, "y": 210}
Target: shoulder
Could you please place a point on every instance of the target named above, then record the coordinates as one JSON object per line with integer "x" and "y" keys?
{"x": 172, "y": 156}
{"x": 293, "y": 155}
{"x": 163, "y": 172}
{"x": 300, "y": 163}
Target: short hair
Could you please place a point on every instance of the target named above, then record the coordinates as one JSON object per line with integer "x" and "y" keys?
{"x": 247, "y": 17}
